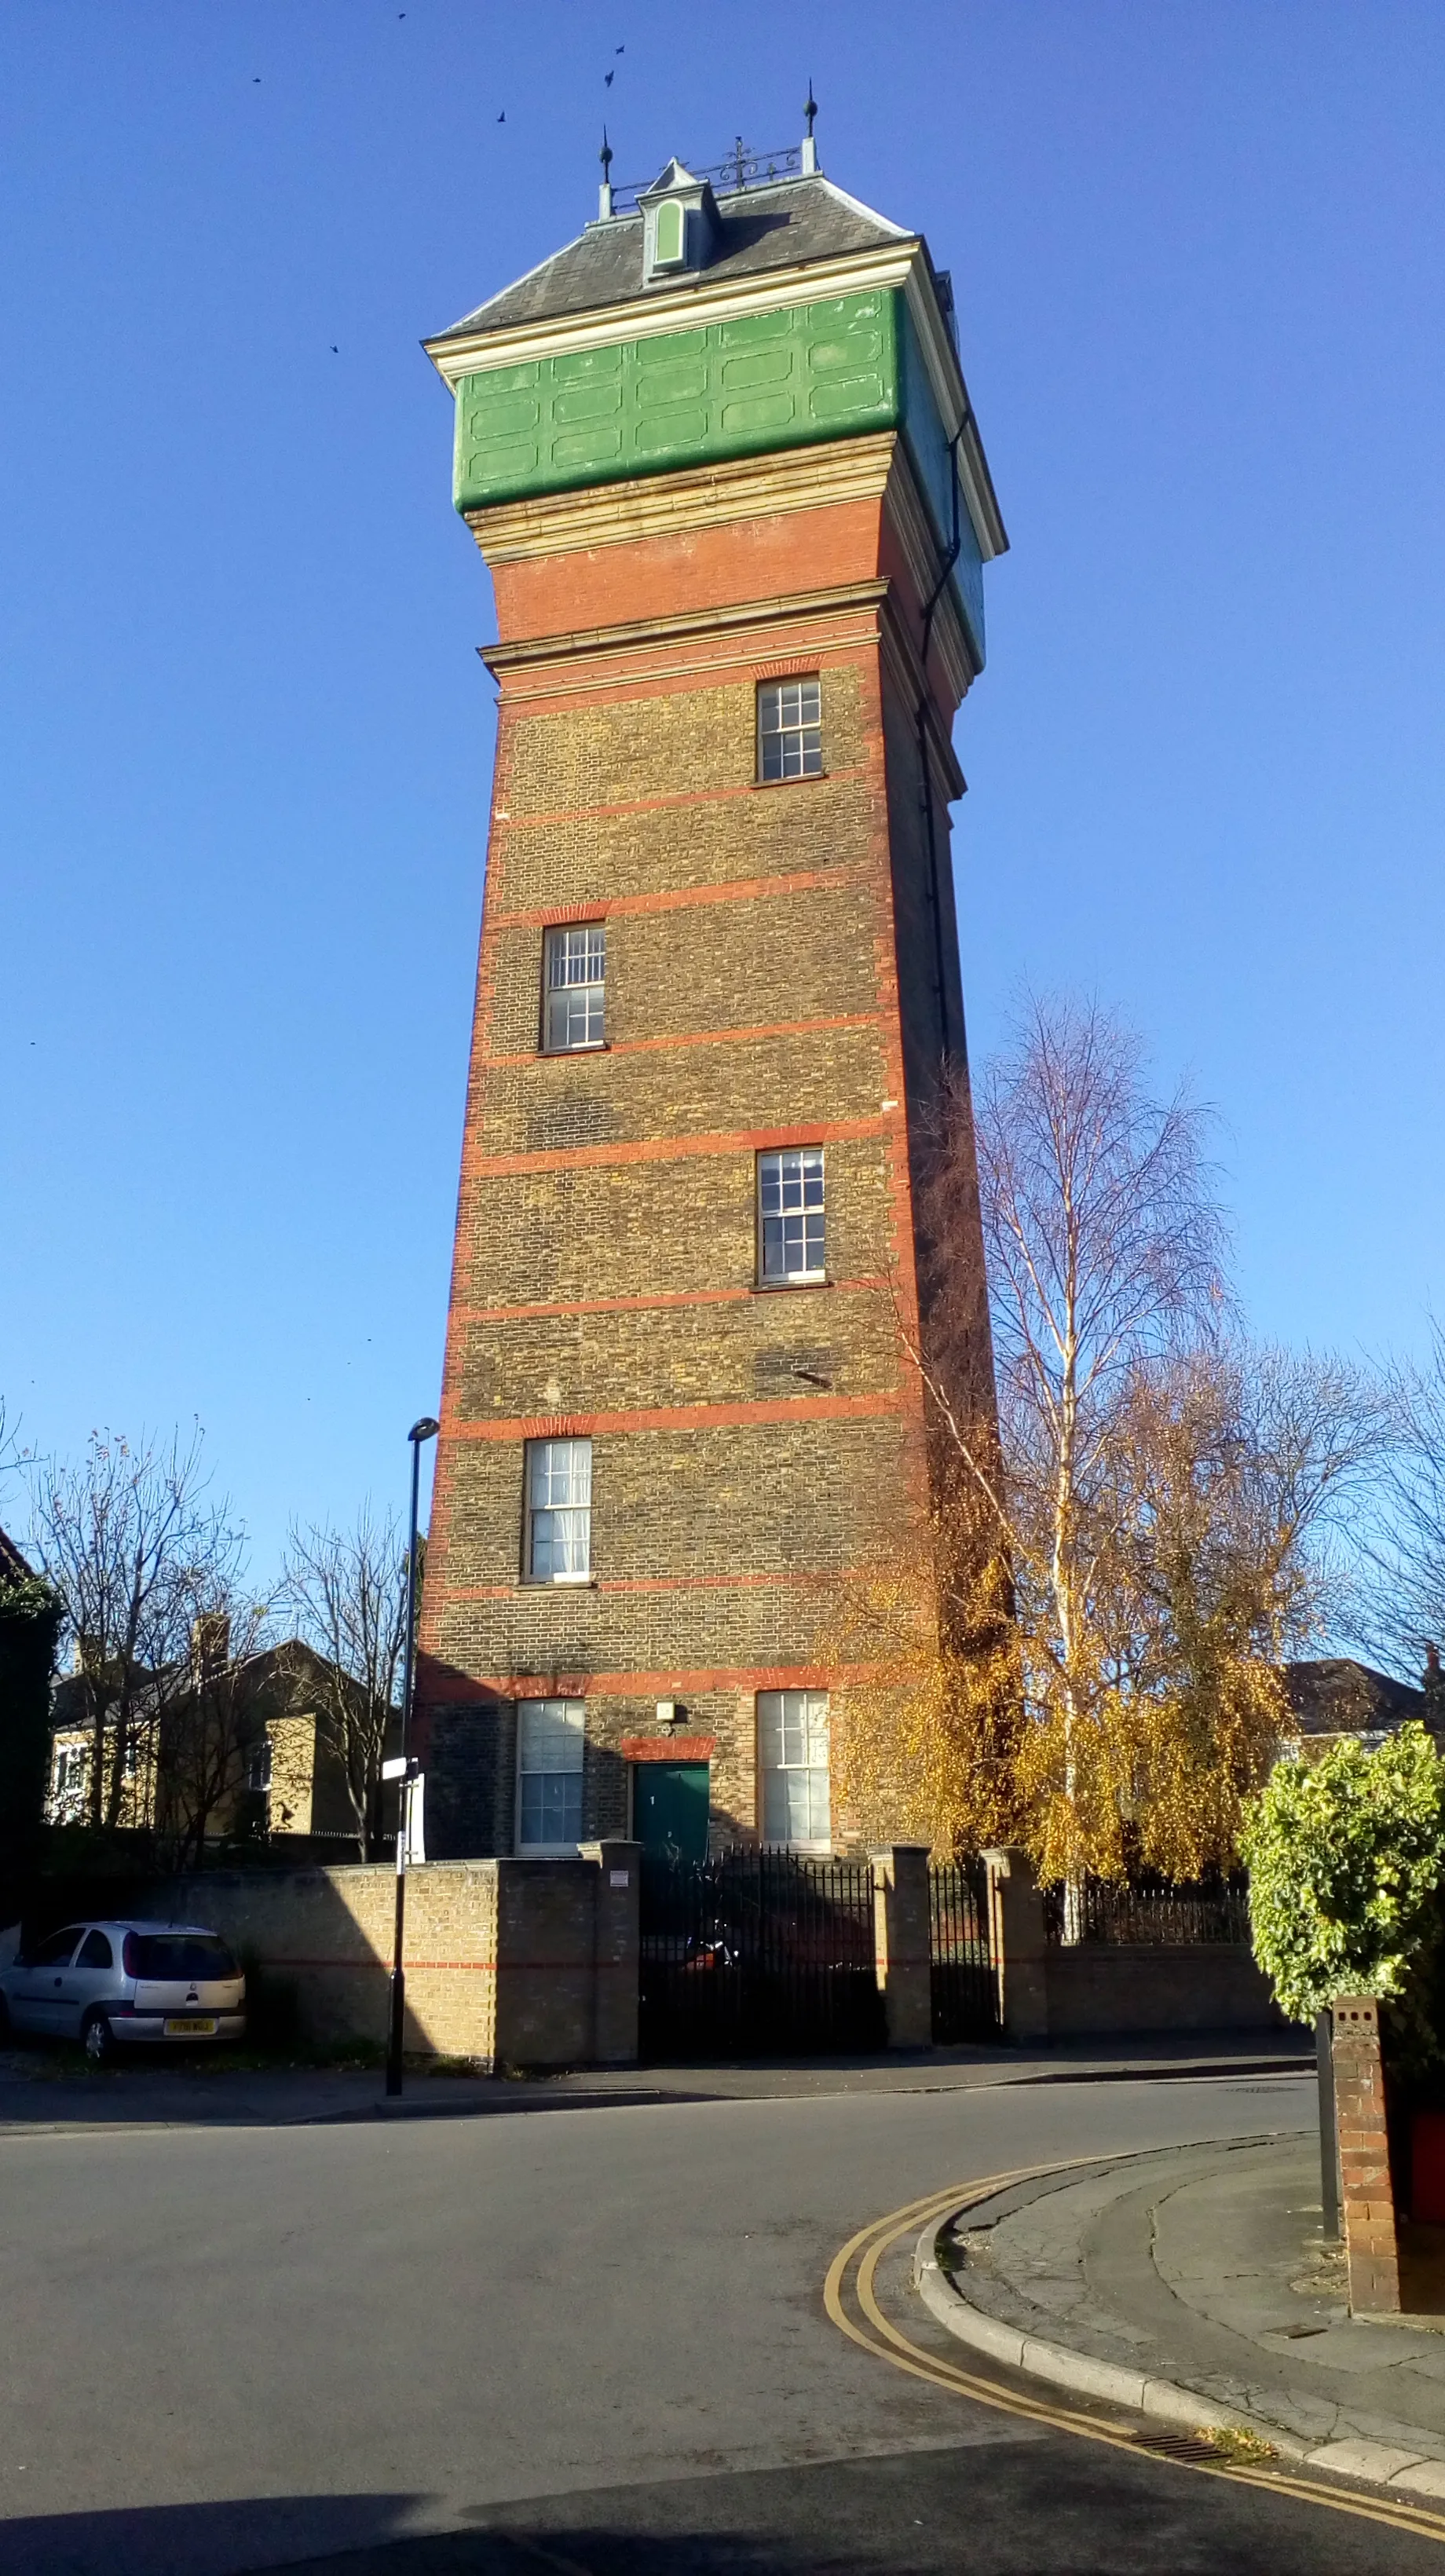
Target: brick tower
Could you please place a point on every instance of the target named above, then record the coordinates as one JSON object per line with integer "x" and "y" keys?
{"x": 719, "y": 457}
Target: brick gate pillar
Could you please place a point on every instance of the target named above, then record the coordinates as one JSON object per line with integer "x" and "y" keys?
{"x": 616, "y": 1950}
{"x": 1366, "y": 2198}
{"x": 901, "y": 1943}
{"x": 1018, "y": 1944}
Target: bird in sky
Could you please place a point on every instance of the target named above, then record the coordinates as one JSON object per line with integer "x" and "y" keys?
{"x": 334, "y": 350}
{"x": 608, "y": 79}
{"x": 502, "y": 119}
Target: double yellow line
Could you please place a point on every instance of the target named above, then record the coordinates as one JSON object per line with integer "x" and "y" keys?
{"x": 851, "y": 2299}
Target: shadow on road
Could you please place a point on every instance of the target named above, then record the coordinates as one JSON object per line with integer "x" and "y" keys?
{"x": 1032, "y": 2507}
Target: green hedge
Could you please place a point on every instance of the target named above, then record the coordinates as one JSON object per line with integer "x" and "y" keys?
{"x": 30, "y": 1616}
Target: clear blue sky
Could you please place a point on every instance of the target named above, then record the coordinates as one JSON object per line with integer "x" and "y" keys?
{"x": 244, "y": 736}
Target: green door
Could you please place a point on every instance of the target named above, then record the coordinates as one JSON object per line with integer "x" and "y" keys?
{"x": 669, "y": 1808}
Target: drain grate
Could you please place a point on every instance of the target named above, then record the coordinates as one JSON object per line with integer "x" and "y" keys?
{"x": 1178, "y": 2446}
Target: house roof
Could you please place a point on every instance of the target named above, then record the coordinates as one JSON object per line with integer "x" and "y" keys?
{"x": 788, "y": 224}
{"x": 1335, "y": 1695}
{"x": 13, "y": 1566}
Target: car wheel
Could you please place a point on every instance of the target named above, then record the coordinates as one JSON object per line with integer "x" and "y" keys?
{"x": 98, "y": 2039}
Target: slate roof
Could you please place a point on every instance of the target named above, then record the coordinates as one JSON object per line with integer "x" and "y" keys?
{"x": 1334, "y": 1695}
{"x": 782, "y": 226}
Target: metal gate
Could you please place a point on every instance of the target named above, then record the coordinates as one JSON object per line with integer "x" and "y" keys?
{"x": 962, "y": 1978}
{"x": 757, "y": 1953}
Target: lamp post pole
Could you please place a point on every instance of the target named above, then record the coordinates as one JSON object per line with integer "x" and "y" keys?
{"x": 426, "y": 1429}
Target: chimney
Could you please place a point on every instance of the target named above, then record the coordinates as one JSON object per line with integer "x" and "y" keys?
{"x": 210, "y": 1644}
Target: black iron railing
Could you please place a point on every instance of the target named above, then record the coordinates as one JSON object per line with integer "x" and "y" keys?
{"x": 962, "y": 1975}
{"x": 758, "y": 1952}
{"x": 743, "y": 168}
{"x": 1153, "y": 1912}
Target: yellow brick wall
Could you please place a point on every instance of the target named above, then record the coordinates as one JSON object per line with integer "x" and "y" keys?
{"x": 715, "y": 1546}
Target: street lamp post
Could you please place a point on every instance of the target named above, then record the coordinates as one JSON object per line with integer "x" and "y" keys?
{"x": 426, "y": 1429}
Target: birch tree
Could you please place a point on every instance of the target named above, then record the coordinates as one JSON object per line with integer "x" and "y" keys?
{"x": 1165, "y": 1498}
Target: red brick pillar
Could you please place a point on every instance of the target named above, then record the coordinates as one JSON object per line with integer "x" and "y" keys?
{"x": 1367, "y": 2202}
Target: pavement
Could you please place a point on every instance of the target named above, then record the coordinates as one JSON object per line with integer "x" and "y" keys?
{"x": 54, "y": 2087}
{"x": 1196, "y": 2281}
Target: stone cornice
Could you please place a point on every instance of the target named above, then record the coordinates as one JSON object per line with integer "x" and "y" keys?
{"x": 807, "y": 478}
{"x": 685, "y": 499}
{"x": 640, "y": 633}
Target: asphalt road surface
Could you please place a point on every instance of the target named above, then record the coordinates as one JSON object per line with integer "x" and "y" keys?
{"x": 586, "y": 2339}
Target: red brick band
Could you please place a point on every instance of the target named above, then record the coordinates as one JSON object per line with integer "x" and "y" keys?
{"x": 681, "y": 1417}
{"x": 700, "y": 1037}
{"x": 676, "y": 898}
{"x": 676, "y": 1149}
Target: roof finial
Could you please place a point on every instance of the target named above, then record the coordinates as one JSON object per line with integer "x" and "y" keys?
{"x": 604, "y": 193}
{"x": 810, "y": 149}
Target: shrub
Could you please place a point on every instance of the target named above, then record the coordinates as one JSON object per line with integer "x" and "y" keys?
{"x": 1344, "y": 1856}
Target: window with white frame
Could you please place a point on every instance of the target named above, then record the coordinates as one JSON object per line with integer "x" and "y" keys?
{"x": 793, "y": 1759}
{"x": 574, "y": 977}
{"x": 559, "y": 1511}
{"x": 68, "y": 1778}
{"x": 258, "y": 1765}
{"x": 550, "y": 1734}
{"x": 790, "y": 730}
{"x": 791, "y": 1215}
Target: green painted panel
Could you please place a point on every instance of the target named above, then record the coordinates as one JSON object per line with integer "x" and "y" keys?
{"x": 842, "y": 366}
{"x": 734, "y": 388}
{"x": 928, "y": 447}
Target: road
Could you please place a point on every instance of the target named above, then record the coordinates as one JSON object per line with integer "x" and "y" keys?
{"x": 586, "y": 2339}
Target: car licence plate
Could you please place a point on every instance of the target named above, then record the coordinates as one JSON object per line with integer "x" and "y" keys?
{"x": 192, "y": 2026}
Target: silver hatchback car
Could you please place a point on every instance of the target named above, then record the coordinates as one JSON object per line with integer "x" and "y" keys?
{"x": 103, "y": 1983}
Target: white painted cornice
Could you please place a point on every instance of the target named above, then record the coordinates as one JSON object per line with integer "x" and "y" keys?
{"x": 646, "y": 317}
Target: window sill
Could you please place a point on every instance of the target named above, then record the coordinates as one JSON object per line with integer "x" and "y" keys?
{"x": 810, "y": 778}
{"x": 786, "y": 1287}
{"x": 557, "y": 1583}
{"x": 590, "y": 1046}
{"x": 546, "y": 1851}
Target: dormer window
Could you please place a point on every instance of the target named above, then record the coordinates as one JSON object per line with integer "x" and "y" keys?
{"x": 679, "y": 224}
{"x": 669, "y": 248}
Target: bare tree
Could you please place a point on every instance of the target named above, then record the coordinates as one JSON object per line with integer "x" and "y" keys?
{"x": 1407, "y": 1548}
{"x": 347, "y": 1591}
{"x": 138, "y": 1552}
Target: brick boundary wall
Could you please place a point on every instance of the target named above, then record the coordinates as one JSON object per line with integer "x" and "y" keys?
{"x": 1107, "y": 1989}
{"x": 1367, "y": 2203}
{"x": 508, "y": 1962}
